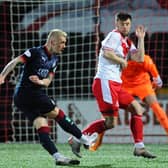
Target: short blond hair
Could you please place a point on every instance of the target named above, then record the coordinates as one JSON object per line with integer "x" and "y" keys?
{"x": 56, "y": 33}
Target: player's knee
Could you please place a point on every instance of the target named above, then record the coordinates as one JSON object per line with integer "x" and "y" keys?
{"x": 136, "y": 108}
{"x": 110, "y": 123}
{"x": 139, "y": 109}
{"x": 54, "y": 113}
{"x": 40, "y": 122}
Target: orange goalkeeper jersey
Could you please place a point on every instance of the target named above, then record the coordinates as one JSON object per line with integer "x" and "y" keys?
{"x": 137, "y": 73}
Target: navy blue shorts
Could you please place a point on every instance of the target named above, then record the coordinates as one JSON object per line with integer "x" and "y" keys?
{"x": 33, "y": 103}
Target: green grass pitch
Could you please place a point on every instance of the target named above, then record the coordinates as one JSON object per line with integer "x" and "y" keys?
{"x": 108, "y": 156}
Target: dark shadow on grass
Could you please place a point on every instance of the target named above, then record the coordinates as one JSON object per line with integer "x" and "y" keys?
{"x": 105, "y": 166}
{"x": 95, "y": 166}
{"x": 164, "y": 150}
{"x": 159, "y": 161}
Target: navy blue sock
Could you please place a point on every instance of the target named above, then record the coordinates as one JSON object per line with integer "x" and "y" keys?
{"x": 45, "y": 140}
{"x": 68, "y": 125}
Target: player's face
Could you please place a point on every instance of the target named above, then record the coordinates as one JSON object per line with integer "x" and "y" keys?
{"x": 124, "y": 27}
{"x": 59, "y": 45}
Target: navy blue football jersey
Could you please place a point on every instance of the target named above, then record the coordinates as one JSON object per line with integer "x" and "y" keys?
{"x": 37, "y": 62}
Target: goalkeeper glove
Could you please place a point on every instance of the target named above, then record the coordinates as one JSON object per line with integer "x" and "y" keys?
{"x": 157, "y": 82}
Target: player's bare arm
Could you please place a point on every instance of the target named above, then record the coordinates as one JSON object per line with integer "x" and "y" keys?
{"x": 43, "y": 82}
{"x": 9, "y": 67}
{"x": 116, "y": 58}
{"x": 139, "y": 54}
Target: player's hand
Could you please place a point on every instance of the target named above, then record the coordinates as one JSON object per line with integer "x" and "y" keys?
{"x": 140, "y": 31}
{"x": 157, "y": 82}
{"x": 2, "y": 79}
{"x": 35, "y": 79}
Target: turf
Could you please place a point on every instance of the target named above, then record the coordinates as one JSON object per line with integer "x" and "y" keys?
{"x": 108, "y": 156}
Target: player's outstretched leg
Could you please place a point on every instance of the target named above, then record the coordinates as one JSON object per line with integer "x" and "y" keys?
{"x": 75, "y": 144}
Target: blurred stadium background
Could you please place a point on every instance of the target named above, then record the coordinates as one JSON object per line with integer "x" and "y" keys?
{"x": 26, "y": 23}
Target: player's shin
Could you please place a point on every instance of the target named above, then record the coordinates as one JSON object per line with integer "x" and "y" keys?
{"x": 161, "y": 115}
{"x": 68, "y": 125}
{"x": 46, "y": 141}
{"x": 136, "y": 125}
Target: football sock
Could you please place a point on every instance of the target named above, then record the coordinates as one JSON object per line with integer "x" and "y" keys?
{"x": 45, "y": 140}
{"x": 68, "y": 125}
{"x": 57, "y": 155}
{"x": 161, "y": 115}
{"x": 139, "y": 145}
{"x": 136, "y": 125}
{"x": 84, "y": 139}
{"x": 96, "y": 126}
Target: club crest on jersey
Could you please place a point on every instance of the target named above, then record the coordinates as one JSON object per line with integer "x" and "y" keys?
{"x": 43, "y": 58}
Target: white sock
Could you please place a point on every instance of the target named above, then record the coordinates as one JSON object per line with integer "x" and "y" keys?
{"x": 139, "y": 145}
{"x": 84, "y": 139}
{"x": 56, "y": 155}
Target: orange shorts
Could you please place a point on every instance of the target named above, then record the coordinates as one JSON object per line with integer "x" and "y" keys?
{"x": 140, "y": 91}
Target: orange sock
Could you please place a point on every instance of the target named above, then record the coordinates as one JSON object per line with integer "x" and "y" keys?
{"x": 98, "y": 142}
{"x": 161, "y": 115}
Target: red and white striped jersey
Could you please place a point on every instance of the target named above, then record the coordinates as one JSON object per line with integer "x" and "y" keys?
{"x": 108, "y": 69}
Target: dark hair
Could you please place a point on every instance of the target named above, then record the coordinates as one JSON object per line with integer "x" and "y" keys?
{"x": 123, "y": 16}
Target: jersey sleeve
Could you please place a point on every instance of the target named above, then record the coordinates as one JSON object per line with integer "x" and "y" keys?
{"x": 28, "y": 55}
{"x": 151, "y": 67}
{"x": 112, "y": 41}
{"x": 53, "y": 70}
